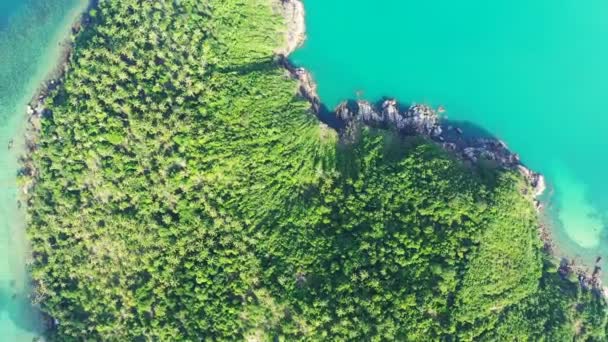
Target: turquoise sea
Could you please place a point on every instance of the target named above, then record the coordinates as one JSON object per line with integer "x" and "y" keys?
{"x": 533, "y": 73}
{"x": 30, "y": 33}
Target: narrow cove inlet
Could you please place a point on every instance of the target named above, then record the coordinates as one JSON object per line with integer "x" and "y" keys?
{"x": 30, "y": 36}
{"x": 534, "y": 74}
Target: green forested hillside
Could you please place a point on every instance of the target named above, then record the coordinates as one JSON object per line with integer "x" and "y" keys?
{"x": 183, "y": 192}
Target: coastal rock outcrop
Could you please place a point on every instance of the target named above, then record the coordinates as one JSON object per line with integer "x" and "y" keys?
{"x": 535, "y": 179}
{"x": 422, "y": 120}
{"x": 367, "y": 113}
{"x": 416, "y": 120}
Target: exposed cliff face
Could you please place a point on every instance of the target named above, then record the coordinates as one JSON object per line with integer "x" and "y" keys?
{"x": 295, "y": 34}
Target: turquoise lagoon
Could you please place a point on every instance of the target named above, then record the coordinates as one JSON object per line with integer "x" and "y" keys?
{"x": 533, "y": 73}
{"x": 30, "y": 33}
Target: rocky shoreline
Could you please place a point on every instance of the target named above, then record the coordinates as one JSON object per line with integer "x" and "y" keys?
{"x": 36, "y": 111}
{"x": 422, "y": 120}
{"x": 413, "y": 120}
{"x": 417, "y": 120}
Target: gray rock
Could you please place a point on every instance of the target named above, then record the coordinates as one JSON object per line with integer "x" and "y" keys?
{"x": 423, "y": 120}
{"x": 368, "y": 113}
{"x": 390, "y": 112}
{"x": 344, "y": 113}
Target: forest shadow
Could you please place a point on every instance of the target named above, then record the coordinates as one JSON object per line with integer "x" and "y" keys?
{"x": 261, "y": 65}
{"x": 459, "y": 134}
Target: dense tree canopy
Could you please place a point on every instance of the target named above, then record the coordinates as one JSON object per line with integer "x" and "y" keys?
{"x": 184, "y": 192}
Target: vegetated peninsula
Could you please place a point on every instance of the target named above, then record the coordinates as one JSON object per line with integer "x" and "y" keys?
{"x": 182, "y": 189}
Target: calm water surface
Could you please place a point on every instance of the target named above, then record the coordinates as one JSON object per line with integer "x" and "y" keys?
{"x": 30, "y": 31}
{"x": 534, "y": 73}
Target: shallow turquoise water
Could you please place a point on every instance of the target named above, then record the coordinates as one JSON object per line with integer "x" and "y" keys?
{"x": 533, "y": 73}
{"x": 30, "y": 31}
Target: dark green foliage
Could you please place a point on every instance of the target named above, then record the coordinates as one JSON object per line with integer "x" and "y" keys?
{"x": 379, "y": 252}
{"x": 559, "y": 311}
{"x": 183, "y": 192}
{"x": 507, "y": 265}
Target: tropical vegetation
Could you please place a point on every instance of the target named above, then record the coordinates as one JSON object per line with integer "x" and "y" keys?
{"x": 184, "y": 192}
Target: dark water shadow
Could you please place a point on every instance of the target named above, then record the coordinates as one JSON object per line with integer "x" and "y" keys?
{"x": 470, "y": 129}
{"x": 19, "y": 309}
{"x": 329, "y": 117}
